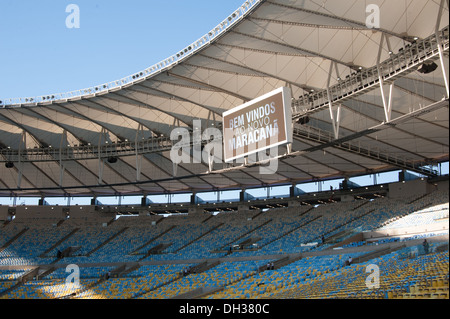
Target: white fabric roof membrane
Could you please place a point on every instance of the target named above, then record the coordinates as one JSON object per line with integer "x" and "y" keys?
{"x": 306, "y": 46}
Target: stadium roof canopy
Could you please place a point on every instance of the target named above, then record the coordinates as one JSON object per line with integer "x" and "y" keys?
{"x": 368, "y": 81}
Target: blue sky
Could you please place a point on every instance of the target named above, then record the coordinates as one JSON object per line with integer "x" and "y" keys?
{"x": 41, "y": 55}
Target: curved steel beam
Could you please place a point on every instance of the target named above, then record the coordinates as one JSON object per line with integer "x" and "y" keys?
{"x": 214, "y": 88}
{"x": 119, "y": 113}
{"x": 132, "y": 101}
{"x": 349, "y": 22}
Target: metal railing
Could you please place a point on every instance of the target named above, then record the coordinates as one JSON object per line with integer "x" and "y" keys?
{"x": 399, "y": 64}
{"x": 85, "y": 152}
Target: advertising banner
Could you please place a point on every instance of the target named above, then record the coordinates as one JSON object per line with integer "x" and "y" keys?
{"x": 257, "y": 125}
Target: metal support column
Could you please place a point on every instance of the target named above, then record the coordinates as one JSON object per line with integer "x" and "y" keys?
{"x": 101, "y": 162}
{"x": 387, "y": 104}
{"x": 137, "y": 155}
{"x": 62, "y": 145}
{"x": 440, "y": 46}
{"x": 22, "y": 145}
{"x": 334, "y": 120}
